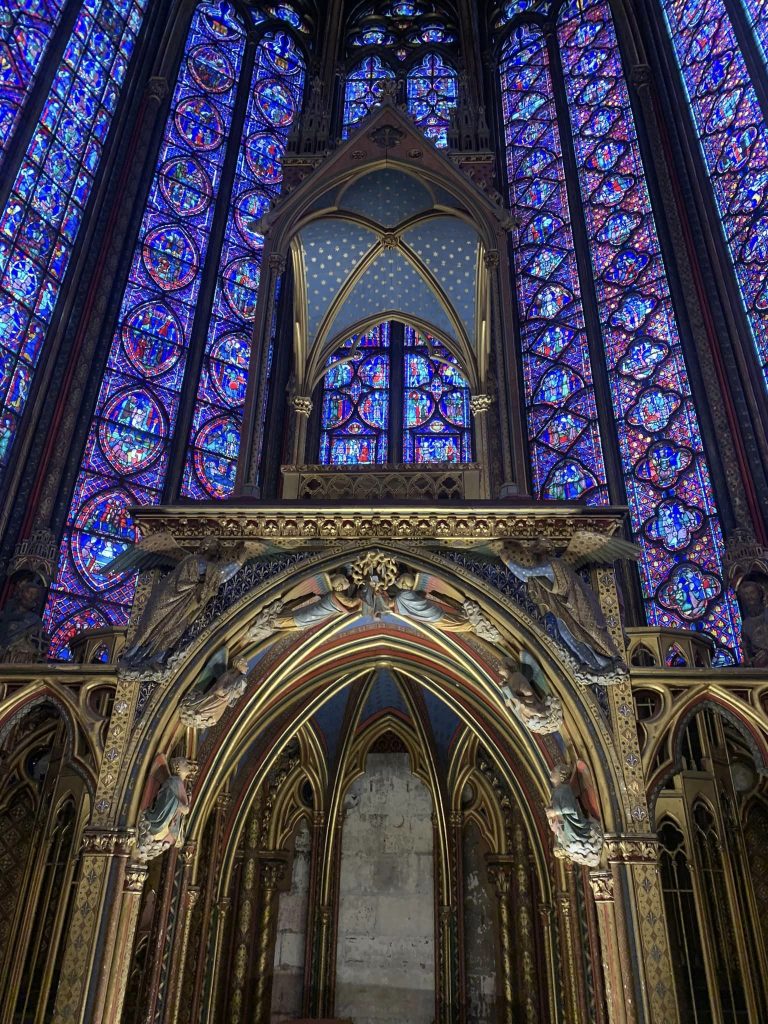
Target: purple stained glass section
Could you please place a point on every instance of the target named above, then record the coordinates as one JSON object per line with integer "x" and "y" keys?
{"x": 432, "y": 93}
{"x": 734, "y": 143}
{"x": 667, "y": 480}
{"x": 44, "y": 211}
{"x": 275, "y": 99}
{"x": 363, "y": 90}
{"x": 127, "y": 451}
{"x": 563, "y": 431}
{"x": 756, "y": 12}
{"x": 355, "y": 411}
{"x": 26, "y": 29}
{"x": 436, "y": 416}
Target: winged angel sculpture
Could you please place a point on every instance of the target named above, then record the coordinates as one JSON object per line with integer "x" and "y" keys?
{"x": 180, "y": 596}
{"x": 555, "y": 585}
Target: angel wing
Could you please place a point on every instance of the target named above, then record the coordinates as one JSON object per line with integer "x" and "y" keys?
{"x": 585, "y": 791}
{"x": 159, "y": 772}
{"x": 587, "y": 547}
{"x": 158, "y": 551}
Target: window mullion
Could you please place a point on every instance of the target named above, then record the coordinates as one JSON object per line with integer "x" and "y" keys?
{"x": 396, "y": 393}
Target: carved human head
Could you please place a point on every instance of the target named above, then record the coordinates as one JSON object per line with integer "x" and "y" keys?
{"x": 752, "y": 597}
{"x": 339, "y": 582}
{"x": 406, "y": 581}
{"x": 182, "y": 767}
{"x": 241, "y": 664}
{"x": 559, "y": 773}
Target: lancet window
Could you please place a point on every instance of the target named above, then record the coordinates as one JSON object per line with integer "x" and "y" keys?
{"x": 394, "y": 395}
{"x": 172, "y": 340}
{"x": 50, "y": 189}
{"x": 568, "y": 100}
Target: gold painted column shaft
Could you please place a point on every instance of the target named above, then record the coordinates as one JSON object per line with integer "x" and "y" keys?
{"x": 500, "y": 870}
{"x": 209, "y": 1003}
{"x": 614, "y": 952}
{"x": 135, "y": 878}
{"x": 187, "y": 899}
{"x": 271, "y": 874}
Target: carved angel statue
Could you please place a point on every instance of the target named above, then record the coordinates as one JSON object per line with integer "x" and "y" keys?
{"x": 556, "y": 587}
{"x": 440, "y": 610}
{"x": 202, "y": 709}
{"x": 540, "y": 715}
{"x": 177, "y": 598}
{"x": 303, "y": 614}
{"x": 165, "y": 808}
{"x": 578, "y": 835}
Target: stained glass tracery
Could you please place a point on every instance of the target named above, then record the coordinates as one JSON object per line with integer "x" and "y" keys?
{"x": 668, "y": 486}
{"x": 44, "y": 211}
{"x": 436, "y": 416}
{"x": 355, "y": 410}
{"x": 432, "y": 89}
{"x": 26, "y": 30}
{"x": 564, "y": 435}
{"x": 128, "y": 446}
{"x": 734, "y": 143}
{"x": 273, "y": 105}
{"x": 363, "y": 90}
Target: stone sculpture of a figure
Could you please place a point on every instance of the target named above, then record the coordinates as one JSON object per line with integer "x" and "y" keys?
{"x": 754, "y": 623}
{"x": 538, "y": 714}
{"x": 578, "y": 836}
{"x": 22, "y": 637}
{"x": 161, "y": 823}
{"x": 436, "y": 610}
{"x": 556, "y": 586}
{"x": 201, "y": 710}
{"x": 337, "y": 601}
{"x": 177, "y": 598}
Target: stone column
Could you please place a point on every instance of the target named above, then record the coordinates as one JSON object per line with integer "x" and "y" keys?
{"x": 209, "y": 1002}
{"x": 545, "y": 913}
{"x": 88, "y": 965}
{"x": 479, "y": 406}
{"x": 500, "y": 872}
{"x": 187, "y": 899}
{"x": 272, "y": 868}
{"x": 524, "y": 928}
{"x": 570, "y": 966}
{"x": 615, "y": 958}
{"x": 135, "y": 878}
{"x": 302, "y": 407}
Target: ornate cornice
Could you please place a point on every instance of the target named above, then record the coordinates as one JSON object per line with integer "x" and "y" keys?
{"x": 632, "y": 849}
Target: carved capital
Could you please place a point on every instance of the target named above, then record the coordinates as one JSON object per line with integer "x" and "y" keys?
{"x": 500, "y": 872}
{"x": 632, "y": 849}
{"x": 640, "y": 76}
{"x": 302, "y": 404}
{"x": 135, "y": 876}
{"x": 193, "y": 895}
{"x": 157, "y": 89}
{"x": 108, "y": 841}
{"x": 479, "y": 404}
{"x": 272, "y": 868}
{"x": 188, "y": 854}
{"x": 276, "y": 262}
{"x": 602, "y": 885}
{"x": 491, "y": 258}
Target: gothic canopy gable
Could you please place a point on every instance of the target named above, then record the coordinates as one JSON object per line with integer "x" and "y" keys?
{"x": 387, "y": 226}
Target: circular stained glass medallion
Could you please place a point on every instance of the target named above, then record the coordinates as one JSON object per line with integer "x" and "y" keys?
{"x": 210, "y": 68}
{"x": 281, "y": 53}
{"x": 199, "y": 123}
{"x": 264, "y": 154}
{"x": 170, "y": 257}
{"x": 241, "y": 286}
{"x": 216, "y": 448}
{"x": 229, "y": 368}
{"x": 276, "y": 102}
{"x": 131, "y": 431}
{"x": 185, "y": 185}
{"x": 152, "y": 338}
{"x": 103, "y": 529}
{"x": 250, "y": 207}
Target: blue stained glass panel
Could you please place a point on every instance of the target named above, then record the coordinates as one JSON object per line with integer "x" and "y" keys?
{"x": 563, "y": 433}
{"x": 363, "y": 90}
{"x": 432, "y": 89}
{"x": 26, "y": 29}
{"x": 45, "y": 207}
{"x": 127, "y": 450}
{"x": 757, "y": 16}
{"x": 355, "y": 411}
{"x": 667, "y": 480}
{"x": 734, "y": 144}
{"x": 215, "y": 438}
{"x": 436, "y": 415}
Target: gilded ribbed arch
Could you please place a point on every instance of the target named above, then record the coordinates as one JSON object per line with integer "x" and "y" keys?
{"x": 56, "y": 170}
{"x": 210, "y": 171}
{"x": 652, "y": 419}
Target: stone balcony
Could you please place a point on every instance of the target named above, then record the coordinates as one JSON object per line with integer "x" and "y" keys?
{"x": 436, "y": 482}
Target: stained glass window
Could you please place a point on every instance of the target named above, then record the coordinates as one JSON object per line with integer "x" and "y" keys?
{"x": 432, "y": 94}
{"x": 355, "y": 410}
{"x": 273, "y": 105}
{"x": 668, "y": 486}
{"x": 757, "y": 16}
{"x": 128, "y": 445}
{"x": 436, "y": 416}
{"x": 364, "y": 88}
{"x": 44, "y": 211}
{"x": 734, "y": 142}
{"x": 563, "y": 431}
{"x": 26, "y": 29}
